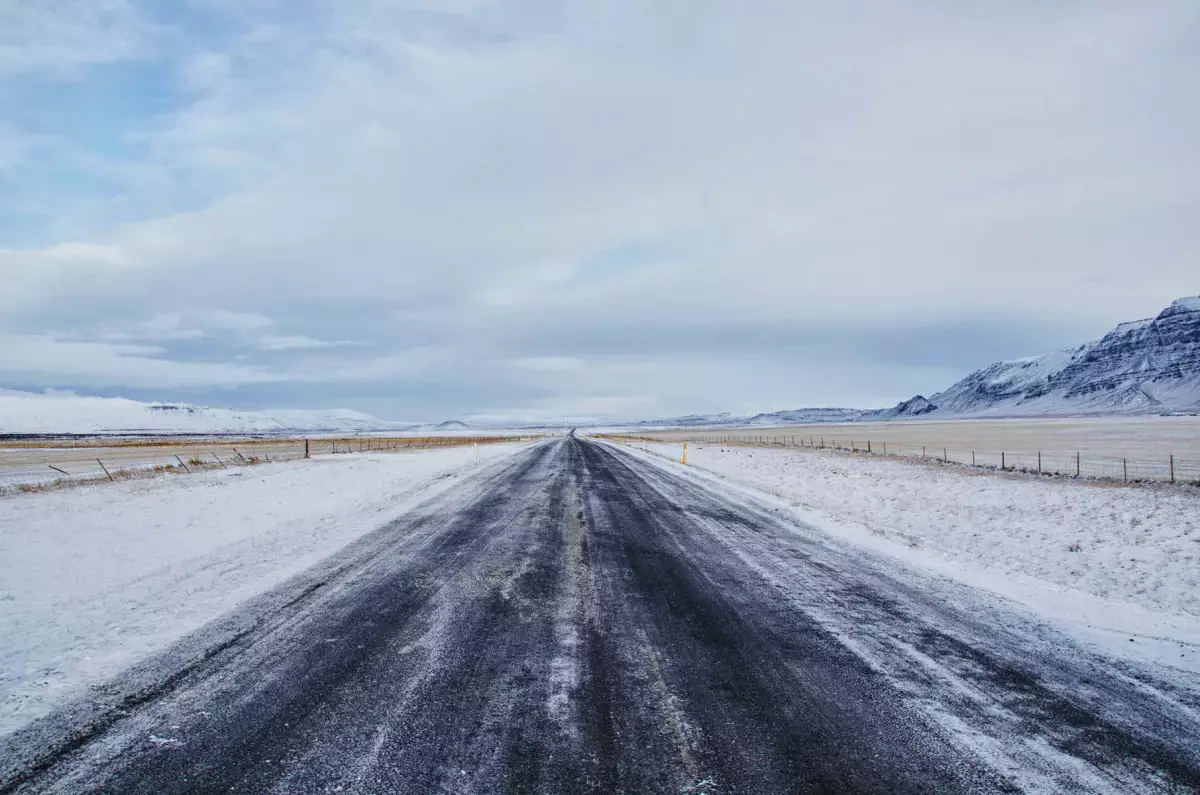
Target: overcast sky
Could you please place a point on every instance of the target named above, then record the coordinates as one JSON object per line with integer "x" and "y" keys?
{"x": 619, "y": 208}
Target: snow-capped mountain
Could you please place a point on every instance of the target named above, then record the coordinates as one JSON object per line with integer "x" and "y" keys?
{"x": 1140, "y": 367}
{"x": 1144, "y": 366}
{"x": 805, "y": 416}
{"x": 65, "y": 412}
{"x": 789, "y": 417}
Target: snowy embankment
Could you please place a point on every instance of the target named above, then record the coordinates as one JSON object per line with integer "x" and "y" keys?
{"x": 95, "y": 578}
{"x": 1121, "y": 557}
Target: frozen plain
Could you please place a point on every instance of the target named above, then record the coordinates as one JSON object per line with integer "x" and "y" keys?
{"x": 602, "y": 616}
{"x": 96, "y": 577}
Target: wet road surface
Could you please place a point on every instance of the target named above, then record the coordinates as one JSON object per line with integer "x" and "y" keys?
{"x": 581, "y": 619}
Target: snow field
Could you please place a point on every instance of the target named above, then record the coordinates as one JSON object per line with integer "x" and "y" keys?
{"x": 1048, "y": 543}
{"x": 95, "y": 578}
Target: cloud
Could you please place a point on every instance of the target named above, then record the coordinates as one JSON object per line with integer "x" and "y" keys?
{"x": 50, "y": 362}
{"x": 597, "y": 207}
{"x": 298, "y": 342}
{"x": 68, "y": 35}
{"x": 549, "y": 364}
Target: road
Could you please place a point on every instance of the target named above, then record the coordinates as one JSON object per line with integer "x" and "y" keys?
{"x": 580, "y": 618}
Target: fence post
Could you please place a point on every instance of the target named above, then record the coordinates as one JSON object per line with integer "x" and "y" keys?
{"x": 185, "y": 469}
{"x": 1039, "y": 462}
{"x": 1125, "y": 469}
{"x": 1077, "y": 463}
{"x": 306, "y": 448}
{"x": 110, "y": 477}
{"x": 219, "y": 461}
{"x": 1002, "y": 462}
{"x": 885, "y": 448}
{"x": 56, "y": 469}
{"x": 868, "y": 445}
{"x": 945, "y": 456}
{"x": 922, "y": 451}
{"x": 1172, "y": 467}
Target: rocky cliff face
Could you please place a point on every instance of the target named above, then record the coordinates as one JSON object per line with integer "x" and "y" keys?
{"x": 1150, "y": 365}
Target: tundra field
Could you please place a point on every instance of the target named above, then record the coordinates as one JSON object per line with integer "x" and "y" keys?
{"x": 29, "y": 460}
{"x": 1146, "y": 443}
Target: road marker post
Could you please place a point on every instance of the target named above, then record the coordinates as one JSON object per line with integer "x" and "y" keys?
{"x": 685, "y": 452}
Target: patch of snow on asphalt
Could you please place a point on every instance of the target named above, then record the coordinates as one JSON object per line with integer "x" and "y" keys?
{"x": 1116, "y": 562}
{"x": 95, "y": 578}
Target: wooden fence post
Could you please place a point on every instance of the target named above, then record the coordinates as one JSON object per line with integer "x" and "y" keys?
{"x": 1002, "y": 461}
{"x": 1125, "y": 468}
{"x": 306, "y": 448}
{"x": 972, "y": 458}
{"x": 945, "y": 456}
{"x": 110, "y": 477}
{"x": 1039, "y": 462}
{"x": 219, "y": 461}
{"x": 185, "y": 469}
{"x": 1172, "y": 467}
{"x": 56, "y": 469}
{"x": 1077, "y": 469}
{"x": 922, "y": 451}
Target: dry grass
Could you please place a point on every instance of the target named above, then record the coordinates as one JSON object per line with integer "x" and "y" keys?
{"x": 141, "y": 473}
{"x": 214, "y": 455}
{"x": 1012, "y": 471}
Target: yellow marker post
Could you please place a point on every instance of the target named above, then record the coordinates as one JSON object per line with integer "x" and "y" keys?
{"x": 685, "y": 452}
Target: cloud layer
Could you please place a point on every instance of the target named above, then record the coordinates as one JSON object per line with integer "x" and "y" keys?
{"x": 528, "y": 207}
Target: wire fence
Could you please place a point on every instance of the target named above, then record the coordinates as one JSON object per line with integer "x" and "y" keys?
{"x": 1164, "y": 469}
{"x": 33, "y": 469}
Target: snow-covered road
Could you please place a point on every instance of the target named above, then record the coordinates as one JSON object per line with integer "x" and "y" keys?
{"x": 582, "y": 618}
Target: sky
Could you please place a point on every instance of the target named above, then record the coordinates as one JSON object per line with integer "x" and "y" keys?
{"x": 622, "y": 209}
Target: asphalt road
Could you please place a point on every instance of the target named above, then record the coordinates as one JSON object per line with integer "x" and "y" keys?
{"x": 580, "y": 618}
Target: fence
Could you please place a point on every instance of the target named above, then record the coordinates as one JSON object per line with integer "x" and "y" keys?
{"x": 32, "y": 468}
{"x": 1165, "y": 469}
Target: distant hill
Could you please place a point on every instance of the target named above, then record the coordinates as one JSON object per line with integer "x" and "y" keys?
{"x": 1149, "y": 366}
{"x": 64, "y": 412}
{"x": 451, "y": 425}
{"x": 1143, "y": 366}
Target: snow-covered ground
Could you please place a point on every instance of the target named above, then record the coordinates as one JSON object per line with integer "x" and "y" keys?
{"x": 67, "y": 412}
{"x": 93, "y": 579}
{"x": 1113, "y": 560}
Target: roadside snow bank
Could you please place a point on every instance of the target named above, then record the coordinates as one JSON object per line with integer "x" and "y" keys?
{"x": 95, "y": 578}
{"x": 1127, "y": 544}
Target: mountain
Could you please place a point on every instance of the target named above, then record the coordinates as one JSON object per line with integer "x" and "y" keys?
{"x": 790, "y": 417}
{"x": 692, "y": 421}
{"x": 451, "y": 425}
{"x": 805, "y": 416}
{"x": 1140, "y": 367}
{"x": 65, "y": 412}
{"x": 1149, "y": 366}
